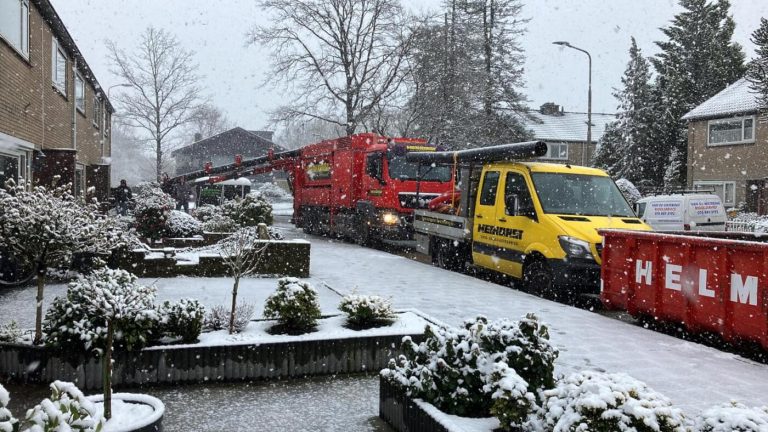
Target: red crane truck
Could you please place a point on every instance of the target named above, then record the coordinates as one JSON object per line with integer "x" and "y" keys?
{"x": 360, "y": 186}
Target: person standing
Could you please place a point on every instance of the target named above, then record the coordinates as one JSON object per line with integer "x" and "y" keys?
{"x": 166, "y": 185}
{"x": 181, "y": 193}
{"x": 123, "y": 195}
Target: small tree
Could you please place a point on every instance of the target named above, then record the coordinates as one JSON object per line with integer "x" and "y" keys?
{"x": 757, "y": 70}
{"x": 46, "y": 228}
{"x": 242, "y": 253}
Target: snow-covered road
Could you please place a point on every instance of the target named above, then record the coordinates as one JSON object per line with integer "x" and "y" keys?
{"x": 692, "y": 375}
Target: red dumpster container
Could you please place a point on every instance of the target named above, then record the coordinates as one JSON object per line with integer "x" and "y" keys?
{"x": 703, "y": 282}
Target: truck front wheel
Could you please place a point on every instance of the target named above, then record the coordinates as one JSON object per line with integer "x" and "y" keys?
{"x": 538, "y": 277}
{"x": 446, "y": 256}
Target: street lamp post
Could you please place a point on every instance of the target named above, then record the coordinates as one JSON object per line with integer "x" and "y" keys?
{"x": 589, "y": 99}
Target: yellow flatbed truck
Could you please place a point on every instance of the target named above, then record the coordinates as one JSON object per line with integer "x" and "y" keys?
{"x": 534, "y": 221}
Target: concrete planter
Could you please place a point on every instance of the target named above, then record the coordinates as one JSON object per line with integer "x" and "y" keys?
{"x": 150, "y": 423}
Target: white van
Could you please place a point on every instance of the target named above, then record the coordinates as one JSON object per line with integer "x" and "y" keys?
{"x": 697, "y": 212}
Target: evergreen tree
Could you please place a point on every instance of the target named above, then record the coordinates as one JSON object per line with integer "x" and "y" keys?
{"x": 757, "y": 70}
{"x": 697, "y": 61}
{"x": 606, "y": 155}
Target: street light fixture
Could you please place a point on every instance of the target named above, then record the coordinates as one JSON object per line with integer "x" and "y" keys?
{"x": 589, "y": 98}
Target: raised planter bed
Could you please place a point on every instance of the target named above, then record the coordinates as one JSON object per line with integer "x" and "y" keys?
{"x": 405, "y": 414}
{"x": 282, "y": 257}
{"x": 251, "y": 355}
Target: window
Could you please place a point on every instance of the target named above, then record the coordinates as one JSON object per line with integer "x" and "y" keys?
{"x": 14, "y": 24}
{"x": 724, "y": 189}
{"x": 59, "y": 67}
{"x": 737, "y": 130}
{"x": 490, "y": 184}
{"x": 579, "y": 194}
{"x": 96, "y": 112}
{"x": 80, "y": 93}
{"x": 516, "y": 186}
{"x": 9, "y": 168}
{"x": 557, "y": 151}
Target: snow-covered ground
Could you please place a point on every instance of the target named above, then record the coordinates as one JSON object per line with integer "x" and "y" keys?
{"x": 694, "y": 376}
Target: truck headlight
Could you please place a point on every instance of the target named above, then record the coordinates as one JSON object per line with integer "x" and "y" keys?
{"x": 390, "y": 218}
{"x": 575, "y": 248}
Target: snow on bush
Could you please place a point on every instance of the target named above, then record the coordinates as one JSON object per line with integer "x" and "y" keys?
{"x": 733, "y": 417}
{"x": 604, "y": 402}
{"x": 365, "y": 311}
{"x": 180, "y": 224}
{"x": 218, "y": 317}
{"x": 205, "y": 212}
{"x": 512, "y": 402}
{"x": 629, "y": 191}
{"x": 7, "y": 422}
{"x": 454, "y": 369}
{"x": 755, "y": 222}
{"x": 294, "y": 304}
{"x": 220, "y": 223}
{"x": 182, "y": 319}
{"x": 152, "y": 209}
{"x": 10, "y": 332}
{"x": 66, "y": 410}
{"x": 249, "y": 211}
{"x": 272, "y": 192}
{"x": 78, "y": 320}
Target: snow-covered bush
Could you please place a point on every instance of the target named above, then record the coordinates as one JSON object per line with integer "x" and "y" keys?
{"x": 153, "y": 207}
{"x": 272, "y": 192}
{"x": 755, "y": 223}
{"x": 180, "y": 224}
{"x": 454, "y": 368}
{"x": 48, "y": 227}
{"x": 66, "y": 410}
{"x": 733, "y": 417}
{"x": 7, "y": 422}
{"x": 603, "y": 402}
{"x": 206, "y": 212}
{"x": 365, "y": 311}
{"x": 183, "y": 319}
{"x": 294, "y": 304}
{"x": 77, "y": 322}
{"x": 218, "y": 317}
{"x": 251, "y": 210}
{"x": 10, "y": 333}
{"x": 629, "y": 191}
{"x": 220, "y": 223}
{"x": 513, "y": 403}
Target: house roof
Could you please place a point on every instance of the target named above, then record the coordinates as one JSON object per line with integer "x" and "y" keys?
{"x": 68, "y": 43}
{"x": 737, "y": 98}
{"x": 236, "y": 133}
{"x": 566, "y": 126}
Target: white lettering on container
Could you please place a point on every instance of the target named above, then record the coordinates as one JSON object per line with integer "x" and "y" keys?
{"x": 643, "y": 272}
{"x": 703, "y": 290}
{"x": 744, "y": 291}
{"x": 672, "y": 277}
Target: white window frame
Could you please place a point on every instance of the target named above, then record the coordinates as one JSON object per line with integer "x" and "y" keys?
{"x": 23, "y": 29}
{"x": 58, "y": 53}
{"x": 97, "y": 111}
{"x": 725, "y": 185}
{"x": 730, "y": 120}
{"x": 550, "y": 146}
{"x": 80, "y": 84}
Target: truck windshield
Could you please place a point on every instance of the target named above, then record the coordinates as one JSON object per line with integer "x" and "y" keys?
{"x": 576, "y": 194}
{"x": 401, "y": 169}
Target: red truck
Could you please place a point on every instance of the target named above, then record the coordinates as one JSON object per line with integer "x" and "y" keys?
{"x": 360, "y": 186}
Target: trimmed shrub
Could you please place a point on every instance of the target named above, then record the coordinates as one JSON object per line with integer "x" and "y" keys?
{"x": 10, "y": 333}
{"x": 218, "y": 317}
{"x": 180, "y": 224}
{"x": 220, "y": 223}
{"x": 205, "y": 212}
{"x": 272, "y": 192}
{"x": 294, "y": 305}
{"x": 512, "y": 402}
{"x": 75, "y": 322}
{"x": 455, "y": 369}
{"x": 183, "y": 319}
{"x": 249, "y": 211}
{"x": 733, "y": 417}
{"x": 66, "y": 410}
{"x": 604, "y": 402}
{"x": 152, "y": 209}
{"x": 365, "y": 311}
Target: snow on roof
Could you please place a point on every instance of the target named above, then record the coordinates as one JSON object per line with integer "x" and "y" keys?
{"x": 566, "y": 126}
{"x": 737, "y": 98}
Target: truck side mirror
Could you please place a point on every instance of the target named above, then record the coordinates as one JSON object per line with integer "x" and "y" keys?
{"x": 512, "y": 205}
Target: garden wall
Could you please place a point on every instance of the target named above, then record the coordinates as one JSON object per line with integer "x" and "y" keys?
{"x": 196, "y": 364}
{"x": 402, "y": 413}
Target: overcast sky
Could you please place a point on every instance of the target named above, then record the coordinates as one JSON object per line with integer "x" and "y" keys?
{"x": 233, "y": 71}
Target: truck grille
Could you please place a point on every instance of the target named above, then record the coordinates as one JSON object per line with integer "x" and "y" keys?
{"x": 408, "y": 199}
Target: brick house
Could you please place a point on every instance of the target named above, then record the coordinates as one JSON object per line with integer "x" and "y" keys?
{"x": 54, "y": 115}
{"x": 728, "y": 148}
{"x": 221, "y": 149}
{"x": 566, "y": 133}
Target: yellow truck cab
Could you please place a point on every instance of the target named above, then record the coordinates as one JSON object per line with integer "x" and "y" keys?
{"x": 534, "y": 221}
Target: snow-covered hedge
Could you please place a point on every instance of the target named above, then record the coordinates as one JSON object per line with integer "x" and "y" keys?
{"x": 294, "y": 304}
{"x": 755, "y": 222}
{"x": 182, "y": 319}
{"x": 153, "y": 207}
{"x": 604, "y": 402}
{"x": 455, "y": 369}
{"x": 249, "y": 211}
{"x": 272, "y": 192}
{"x": 180, "y": 224}
{"x": 218, "y": 317}
{"x": 220, "y": 223}
{"x": 7, "y": 422}
{"x": 78, "y": 320}
{"x": 733, "y": 417}
{"x": 66, "y": 410}
{"x": 365, "y": 311}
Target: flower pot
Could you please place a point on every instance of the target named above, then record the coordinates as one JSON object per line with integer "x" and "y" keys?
{"x": 132, "y": 412}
